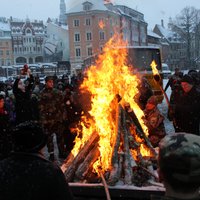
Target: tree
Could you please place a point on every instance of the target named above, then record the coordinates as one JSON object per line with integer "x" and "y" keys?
{"x": 186, "y": 24}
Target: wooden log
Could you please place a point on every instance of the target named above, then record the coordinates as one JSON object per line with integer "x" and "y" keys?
{"x": 83, "y": 152}
{"x": 114, "y": 174}
{"x": 127, "y": 161}
{"x": 86, "y": 165}
{"x": 140, "y": 132}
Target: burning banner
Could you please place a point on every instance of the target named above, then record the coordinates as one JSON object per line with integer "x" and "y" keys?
{"x": 113, "y": 137}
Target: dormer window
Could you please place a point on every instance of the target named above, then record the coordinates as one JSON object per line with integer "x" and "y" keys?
{"x": 87, "y": 6}
{"x": 28, "y": 31}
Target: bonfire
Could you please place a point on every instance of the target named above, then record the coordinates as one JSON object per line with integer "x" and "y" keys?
{"x": 112, "y": 139}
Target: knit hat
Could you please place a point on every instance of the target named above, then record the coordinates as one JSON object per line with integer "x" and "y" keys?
{"x": 28, "y": 137}
{"x": 187, "y": 78}
{"x": 152, "y": 100}
{"x": 179, "y": 155}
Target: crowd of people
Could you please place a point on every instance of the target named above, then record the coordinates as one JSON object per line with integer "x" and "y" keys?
{"x": 36, "y": 112}
{"x": 51, "y": 104}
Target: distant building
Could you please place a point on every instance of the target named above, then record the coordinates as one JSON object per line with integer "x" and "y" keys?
{"x": 6, "y": 52}
{"x": 173, "y": 47}
{"x": 133, "y": 26}
{"x": 92, "y": 23}
{"x": 56, "y": 44}
{"x": 62, "y": 16}
{"x": 28, "y": 38}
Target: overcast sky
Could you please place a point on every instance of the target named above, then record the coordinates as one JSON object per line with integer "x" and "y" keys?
{"x": 153, "y": 10}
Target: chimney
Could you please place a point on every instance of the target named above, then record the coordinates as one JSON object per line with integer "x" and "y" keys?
{"x": 162, "y": 23}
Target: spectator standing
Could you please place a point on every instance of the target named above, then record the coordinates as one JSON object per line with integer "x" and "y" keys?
{"x": 22, "y": 95}
{"x": 178, "y": 167}
{"x": 25, "y": 174}
{"x": 154, "y": 120}
{"x": 187, "y": 107}
{"x": 52, "y": 115}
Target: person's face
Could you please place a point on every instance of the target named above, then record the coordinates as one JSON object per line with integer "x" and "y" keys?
{"x": 1, "y": 103}
{"x": 49, "y": 84}
{"x": 150, "y": 106}
{"x": 186, "y": 86}
{"x": 21, "y": 85}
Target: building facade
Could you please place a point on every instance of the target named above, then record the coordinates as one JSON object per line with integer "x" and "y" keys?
{"x": 92, "y": 23}
{"x": 27, "y": 39}
{"x": 6, "y": 51}
{"x": 173, "y": 47}
{"x": 56, "y": 44}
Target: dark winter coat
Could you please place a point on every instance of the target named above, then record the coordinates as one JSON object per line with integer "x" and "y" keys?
{"x": 187, "y": 112}
{"x": 23, "y": 105}
{"x": 5, "y": 136}
{"x": 31, "y": 177}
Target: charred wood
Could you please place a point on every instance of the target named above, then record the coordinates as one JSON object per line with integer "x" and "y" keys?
{"x": 84, "y": 167}
{"x": 83, "y": 152}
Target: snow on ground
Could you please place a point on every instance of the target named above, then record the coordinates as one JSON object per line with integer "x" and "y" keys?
{"x": 164, "y": 108}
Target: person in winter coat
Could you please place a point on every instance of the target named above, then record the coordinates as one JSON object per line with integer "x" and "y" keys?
{"x": 52, "y": 115}
{"x": 187, "y": 107}
{"x": 22, "y": 95}
{"x": 5, "y": 126}
{"x": 26, "y": 174}
{"x": 154, "y": 120}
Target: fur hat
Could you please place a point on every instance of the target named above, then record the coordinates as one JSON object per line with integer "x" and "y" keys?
{"x": 152, "y": 100}
{"x": 28, "y": 137}
{"x": 187, "y": 78}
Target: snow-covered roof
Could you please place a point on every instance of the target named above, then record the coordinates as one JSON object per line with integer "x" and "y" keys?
{"x": 169, "y": 35}
{"x": 165, "y": 32}
{"x": 151, "y": 33}
{"x": 4, "y": 26}
{"x": 77, "y": 6}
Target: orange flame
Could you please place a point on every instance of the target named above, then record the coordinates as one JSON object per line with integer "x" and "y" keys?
{"x": 110, "y": 77}
{"x": 154, "y": 68}
{"x": 101, "y": 24}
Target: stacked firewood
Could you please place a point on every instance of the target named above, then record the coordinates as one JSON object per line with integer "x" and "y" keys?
{"x": 126, "y": 168}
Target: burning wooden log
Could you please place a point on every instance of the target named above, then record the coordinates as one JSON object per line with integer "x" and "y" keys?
{"x": 123, "y": 165}
{"x": 115, "y": 172}
{"x": 74, "y": 164}
{"x": 127, "y": 156}
{"x": 86, "y": 165}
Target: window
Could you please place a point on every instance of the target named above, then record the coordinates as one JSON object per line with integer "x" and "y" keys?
{"x": 87, "y": 22}
{"x": 89, "y": 36}
{"x": 87, "y": 6}
{"x": 7, "y": 52}
{"x": 1, "y": 52}
{"x": 78, "y": 52}
{"x": 89, "y": 51}
{"x": 77, "y": 37}
{"x": 101, "y": 35}
{"x": 76, "y": 22}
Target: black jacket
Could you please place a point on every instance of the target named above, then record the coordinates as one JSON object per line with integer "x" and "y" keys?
{"x": 187, "y": 111}
{"x": 31, "y": 177}
{"x": 23, "y": 106}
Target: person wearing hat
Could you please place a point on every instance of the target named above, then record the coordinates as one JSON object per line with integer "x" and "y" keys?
{"x": 154, "y": 120}
{"x": 187, "y": 107}
{"x": 52, "y": 116}
{"x": 179, "y": 166}
{"x": 26, "y": 174}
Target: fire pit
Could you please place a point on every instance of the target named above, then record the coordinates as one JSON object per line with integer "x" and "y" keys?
{"x": 112, "y": 140}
